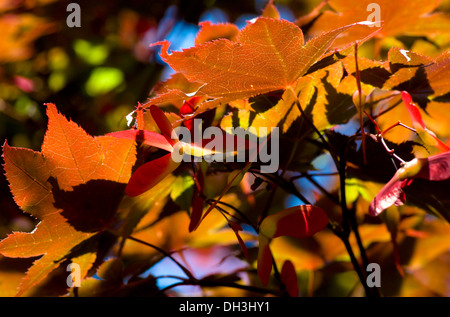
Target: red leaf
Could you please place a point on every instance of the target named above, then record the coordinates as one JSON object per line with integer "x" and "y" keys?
{"x": 236, "y": 228}
{"x": 150, "y": 174}
{"x": 197, "y": 211}
{"x": 230, "y": 142}
{"x": 163, "y": 123}
{"x": 289, "y": 278}
{"x": 427, "y": 136}
{"x": 435, "y": 167}
{"x": 298, "y": 222}
{"x": 186, "y": 109}
{"x": 412, "y": 109}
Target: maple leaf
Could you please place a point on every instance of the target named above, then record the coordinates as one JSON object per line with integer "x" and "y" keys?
{"x": 427, "y": 82}
{"x": 323, "y": 94}
{"x": 261, "y": 60}
{"x": 209, "y": 32}
{"x": 68, "y": 186}
{"x": 403, "y": 17}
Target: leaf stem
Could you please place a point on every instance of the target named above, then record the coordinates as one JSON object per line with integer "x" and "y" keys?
{"x": 285, "y": 184}
{"x": 354, "y": 226}
{"x": 322, "y": 189}
{"x": 312, "y": 175}
{"x": 399, "y": 123}
{"x": 360, "y": 105}
{"x": 244, "y": 219}
{"x": 210, "y": 283}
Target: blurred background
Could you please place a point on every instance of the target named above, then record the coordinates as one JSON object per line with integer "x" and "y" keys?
{"x": 98, "y": 72}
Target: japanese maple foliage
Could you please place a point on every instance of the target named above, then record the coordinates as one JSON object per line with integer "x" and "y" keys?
{"x": 67, "y": 186}
{"x": 363, "y": 161}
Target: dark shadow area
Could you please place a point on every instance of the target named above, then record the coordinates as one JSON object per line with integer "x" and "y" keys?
{"x": 262, "y": 103}
{"x": 382, "y": 254}
{"x": 419, "y": 88}
{"x": 432, "y": 196}
{"x": 339, "y": 106}
{"x": 444, "y": 98}
{"x": 88, "y": 207}
{"x": 325, "y": 62}
{"x": 309, "y": 108}
{"x": 380, "y": 165}
{"x": 16, "y": 264}
{"x": 375, "y": 76}
{"x": 394, "y": 67}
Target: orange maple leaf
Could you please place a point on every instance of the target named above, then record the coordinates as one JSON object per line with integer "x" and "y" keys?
{"x": 73, "y": 186}
{"x": 267, "y": 55}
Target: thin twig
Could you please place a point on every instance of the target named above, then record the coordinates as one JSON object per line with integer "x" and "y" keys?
{"x": 293, "y": 178}
{"x": 165, "y": 253}
{"x": 322, "y": 189}
{"x": 244, "y": 219}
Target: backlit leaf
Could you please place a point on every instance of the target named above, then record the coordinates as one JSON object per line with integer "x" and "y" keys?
{"x": 427, "y": 82}
{"x": 163, "y": 123}
{"x": 427, "y": 136}
{"x": 150, "y": 174}
{"x": 58, "y": 186}
{"x": 209, "y": 32}
{"x": 236, "y": 228}
{"x": 259, "y": 61}
{"x": 402, "y": 17}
